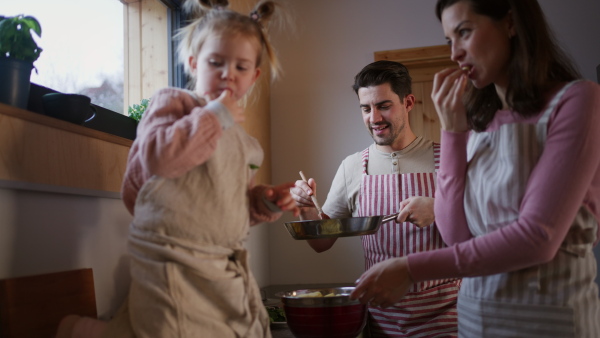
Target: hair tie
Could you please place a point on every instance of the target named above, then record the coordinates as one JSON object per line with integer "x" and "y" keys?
{"x": 254, "y": 16}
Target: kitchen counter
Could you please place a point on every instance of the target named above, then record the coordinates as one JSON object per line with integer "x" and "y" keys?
{"x": 281, "y": 331}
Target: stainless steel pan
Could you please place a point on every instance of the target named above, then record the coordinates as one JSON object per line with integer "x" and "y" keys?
{"x": 337, "y": 227}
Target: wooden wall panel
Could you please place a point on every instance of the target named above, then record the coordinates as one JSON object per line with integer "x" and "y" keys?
{"x": 422, "y": 64}
{"x": 146, "y": 50}
{"x": 133, "y": 51}
{"x": 33, "y": 306}
{"x": 154, "y": 47}
{"x": 38, "y": 149}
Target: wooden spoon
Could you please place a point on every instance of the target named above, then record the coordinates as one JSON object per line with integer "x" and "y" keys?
{"x": 313, "y": 197}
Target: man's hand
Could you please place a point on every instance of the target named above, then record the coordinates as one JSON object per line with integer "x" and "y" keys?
{"x": 418, "y": 210}
{"x": 302, "y": 191}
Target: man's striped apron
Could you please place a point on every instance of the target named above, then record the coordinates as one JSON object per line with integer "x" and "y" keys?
{"x": 556, "y": 299}
{"x": 429, "y": 308}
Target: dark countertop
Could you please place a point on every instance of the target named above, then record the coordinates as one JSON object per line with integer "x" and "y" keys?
{"x": 281, "y": 331}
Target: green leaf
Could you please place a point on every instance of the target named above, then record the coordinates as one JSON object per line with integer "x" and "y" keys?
{"x": 136, "y": 111}
{"x": 16, "y": 39}
{"x": 276, "y": 314}
{"x": 33, "y": 24}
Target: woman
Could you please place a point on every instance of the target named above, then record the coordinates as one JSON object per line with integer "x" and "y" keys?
{"x": 519, "y": 185}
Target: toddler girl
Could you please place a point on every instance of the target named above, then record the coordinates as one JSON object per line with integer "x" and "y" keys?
{"x": 189, "y": 186}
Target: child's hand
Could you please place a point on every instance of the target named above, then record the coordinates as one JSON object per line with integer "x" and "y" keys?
{"x": 228, "y": 100}
{"x": 280, "y": 196}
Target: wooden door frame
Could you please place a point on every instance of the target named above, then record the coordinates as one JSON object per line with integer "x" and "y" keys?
{"x": 418, "y": 57}
{"x": 422, "y": 63}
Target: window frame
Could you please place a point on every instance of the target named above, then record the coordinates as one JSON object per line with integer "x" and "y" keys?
{"x": 175, "y": 21}
{"x": 147, "y": 66}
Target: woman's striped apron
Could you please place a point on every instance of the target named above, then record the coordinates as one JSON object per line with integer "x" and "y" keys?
{"x": 556, "y": 299}
{"x": 429, "y": 308}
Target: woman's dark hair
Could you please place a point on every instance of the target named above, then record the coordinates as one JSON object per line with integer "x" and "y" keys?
{"x": 383, "y": 71}
{"x": 537, "y": 61}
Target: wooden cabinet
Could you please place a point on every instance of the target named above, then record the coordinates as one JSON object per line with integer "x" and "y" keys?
{"x": 41, "y": 152}
{"x": 33, "y": 306}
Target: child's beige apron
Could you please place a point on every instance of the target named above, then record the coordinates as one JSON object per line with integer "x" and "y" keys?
{"x": 557, "y": 299}
{"x": 190, "y": 274}
{"x": 429, "y": 308}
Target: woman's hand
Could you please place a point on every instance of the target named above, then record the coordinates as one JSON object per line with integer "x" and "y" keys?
{"x": 384, "y": 284}
{"x": 280, "y": 196}
{"x": 418, "y": 210}
{"x": 447, "y": 95}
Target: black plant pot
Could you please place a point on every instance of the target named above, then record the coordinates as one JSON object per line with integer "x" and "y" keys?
{"x": 15, "y": 77}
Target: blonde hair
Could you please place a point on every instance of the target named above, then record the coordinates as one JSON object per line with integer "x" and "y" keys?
{"x": 213, "y": 17}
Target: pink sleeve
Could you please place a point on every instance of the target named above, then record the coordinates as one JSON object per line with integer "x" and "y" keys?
{"x": 133, "y": 179}
{"x": 175, "y": 135}
{"x": 566, "y": 177}
{"x": 448, "y": 206}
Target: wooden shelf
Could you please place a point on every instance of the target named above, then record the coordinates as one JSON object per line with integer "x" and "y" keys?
{"x": 42, "y": 150}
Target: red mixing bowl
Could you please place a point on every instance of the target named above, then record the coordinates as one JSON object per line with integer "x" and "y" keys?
{"x": 324, "y": 317}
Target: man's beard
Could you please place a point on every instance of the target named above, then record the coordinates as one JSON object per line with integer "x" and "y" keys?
{"x": 389, "y": 139}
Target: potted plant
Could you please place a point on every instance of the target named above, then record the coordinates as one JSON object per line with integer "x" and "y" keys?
{"x": 18, "y": 51}
{"x": 136, "y": 111}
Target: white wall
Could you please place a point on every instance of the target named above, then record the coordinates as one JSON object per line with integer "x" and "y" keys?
{"x": 43, "y": 232}
{"x": 315, "y": 117}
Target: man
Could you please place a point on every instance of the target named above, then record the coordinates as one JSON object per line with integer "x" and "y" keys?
{"x": 395, "y": 174}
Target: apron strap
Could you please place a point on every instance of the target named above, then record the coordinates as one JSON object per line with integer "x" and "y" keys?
{"x": 365, "y": 160}
{"x": 436, "y": 156}
{"x": 543, "y": 121}
{"x": 552, "y": 105}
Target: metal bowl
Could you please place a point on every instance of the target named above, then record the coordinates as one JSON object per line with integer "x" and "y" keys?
{"x": 341, "y": 227}
{"x": 324, "y": 317}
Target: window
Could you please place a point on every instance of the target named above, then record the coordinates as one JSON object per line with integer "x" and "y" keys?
{"x": 176, "y": 21}
{"x": 82, "y": 42}
{"x": 150, "y": 62}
